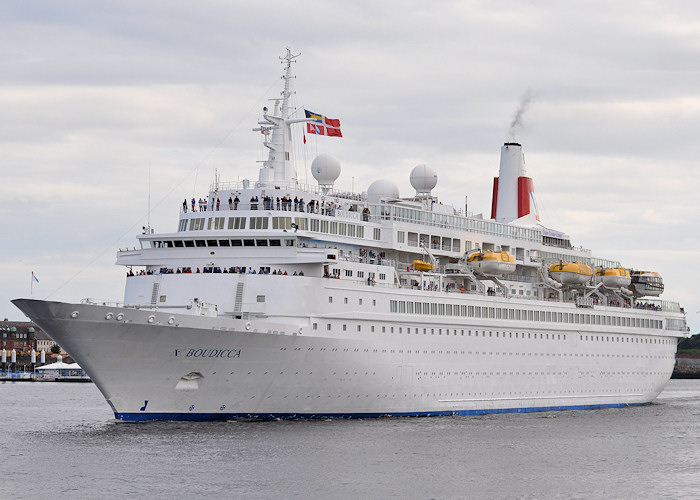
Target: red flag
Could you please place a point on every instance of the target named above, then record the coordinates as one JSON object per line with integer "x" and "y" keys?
{"x": 304, "y": 138}
{"x": 332, "y": 122}
{"x": 332, "y": 127}
{"x": 333, "y": 132}
{"x": 313, "y": 128}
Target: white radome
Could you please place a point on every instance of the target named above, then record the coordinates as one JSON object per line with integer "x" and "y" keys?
{"x": 423, "y": 178}
{"x": 383, "y": 188}
{"x": 325, "y": 169}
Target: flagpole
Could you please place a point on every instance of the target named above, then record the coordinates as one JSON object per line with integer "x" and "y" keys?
{"x": 31, "y": 286}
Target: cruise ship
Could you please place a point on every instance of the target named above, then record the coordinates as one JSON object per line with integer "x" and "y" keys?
{"x": 280, "y": 299}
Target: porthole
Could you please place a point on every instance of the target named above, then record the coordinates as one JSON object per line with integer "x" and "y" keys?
{"x": 74, "y": 314}
{"x": 120, "y": 317}
{"x": 151, "y": 318}
{"x": 109, "y": 315}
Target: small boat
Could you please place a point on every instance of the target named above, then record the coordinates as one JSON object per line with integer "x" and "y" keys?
{"x": 646, "y": 283}
{"x": 570, "y": 273}
{"x": 490, "y": 262}
{"x": 614, "y": 277}
{"x": 421, "y": 265}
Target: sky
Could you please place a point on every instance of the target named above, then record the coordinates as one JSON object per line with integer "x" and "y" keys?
{"x": 111, "y": 113}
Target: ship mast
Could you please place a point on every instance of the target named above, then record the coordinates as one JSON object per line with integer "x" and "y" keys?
{"x": 276, "y": 127}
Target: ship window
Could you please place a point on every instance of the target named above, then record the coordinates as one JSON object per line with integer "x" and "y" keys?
{"x": 324, "y": 226}
{"x": 236, "y": 223}
{"x": 182, "y": 226}
{"x": 212, "y": 243}
{"x": 328, "y": 326}
{"x": 289, "y": 243}
{"x": 384, "y": 329}
{"x": 200, "y": 243}
{"x": 219, "y": 222}
{"x": 260, "y": 298}
{"x": 330, "y": 300}
{"x": 258, "y": 222}
{"x": 345, "y": 300}
{"x": 360, "y": 274}
{"x": 360, "y": 231}
{"x": 248, "y": 243}
{"x": 224, "y": 243}
{"x": 359, "y": 328}
{"x": 377, "y": 234}
{"x": 281, "y": 223}
{"x": 302, "y": 223}
{"x": 261, "y": 243}
{"x": 275, "y": 243}
{"x": 374, "y": 302}
{"x": 178, "y": 243}
{"x": 371, "y": 328}
{"x": 162, "y": 298}
{"x": 236, "y": 243}
{"x": 189, "y": 243}
{"x": 315, "y": 326}
{"x": 345, "y": 328}
{"x": 196, "y": 224}
{"x": 400, "y": 236}
{"x": 334, "y": 228}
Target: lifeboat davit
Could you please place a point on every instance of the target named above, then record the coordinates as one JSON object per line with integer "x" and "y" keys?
{"x": 614, "y": 277}
{"x": 570, "y": 273}
{"x": 645, "y": 283}
{"x": 492, "y": 262}
{"x": 421, "y": 265}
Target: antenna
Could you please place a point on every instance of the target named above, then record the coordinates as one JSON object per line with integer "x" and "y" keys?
{"x": 148, "y": 214}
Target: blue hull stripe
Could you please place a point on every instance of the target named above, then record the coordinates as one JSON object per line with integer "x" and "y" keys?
{"x": 203, "y": 417}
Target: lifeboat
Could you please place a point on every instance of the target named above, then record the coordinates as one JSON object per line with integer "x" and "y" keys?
{"x": 647, "y": 283}
{"x": 570, "y": 273}
{"x": 614, "y": 277}
{"x": 492, "y": 262}
{"x": 421, "y": 265}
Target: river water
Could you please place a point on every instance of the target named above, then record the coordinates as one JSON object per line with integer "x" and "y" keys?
{"x": 59, "y": 441}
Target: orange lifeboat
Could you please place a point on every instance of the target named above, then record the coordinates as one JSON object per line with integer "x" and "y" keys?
{"x": 570, "y": 273}
{"x": 490, "y": 262}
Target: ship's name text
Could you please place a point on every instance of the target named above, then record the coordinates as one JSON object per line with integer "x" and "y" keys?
{"x": 208, "y": 353}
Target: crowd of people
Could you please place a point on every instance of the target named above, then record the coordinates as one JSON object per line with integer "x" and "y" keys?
{"x": 284, "y": 204}
{"x": 214, "y": 269}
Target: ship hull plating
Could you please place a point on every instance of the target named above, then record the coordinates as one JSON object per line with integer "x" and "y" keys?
{"x": 153, "y": 365}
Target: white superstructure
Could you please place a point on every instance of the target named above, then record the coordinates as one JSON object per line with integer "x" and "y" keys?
{"x": 290, "y": 300}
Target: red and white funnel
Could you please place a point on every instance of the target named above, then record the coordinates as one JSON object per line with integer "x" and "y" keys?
{"x": 513, "y": 192}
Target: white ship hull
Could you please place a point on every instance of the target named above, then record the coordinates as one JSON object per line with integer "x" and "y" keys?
{"x": 201, "y": 368}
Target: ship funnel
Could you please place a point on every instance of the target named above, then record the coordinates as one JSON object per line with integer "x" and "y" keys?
{"x": 513, "y": 192}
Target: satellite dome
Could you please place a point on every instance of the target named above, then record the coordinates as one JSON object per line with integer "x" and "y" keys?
{"x": 325, "y": 169}
{"x": 423, "y": 179}
{"x": 383, "y": 188}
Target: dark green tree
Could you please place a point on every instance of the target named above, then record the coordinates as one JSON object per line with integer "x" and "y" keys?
{"x": 55, "y": 349}
{"x": 689, "y": 343}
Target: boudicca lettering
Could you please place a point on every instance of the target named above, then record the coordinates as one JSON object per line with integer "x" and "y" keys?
{"x": 209, "y": 353}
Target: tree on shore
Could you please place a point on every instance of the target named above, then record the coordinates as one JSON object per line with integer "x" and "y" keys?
{"x": 690, "y": 344}
{"x": 55, "y": 349}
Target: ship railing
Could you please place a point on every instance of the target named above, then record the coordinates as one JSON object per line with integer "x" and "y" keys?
{"x": 289, "y": 207}
{"x": 286, "y": 188}
{"x": 663, "y": 305}
{"x": 367, "y": 260}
